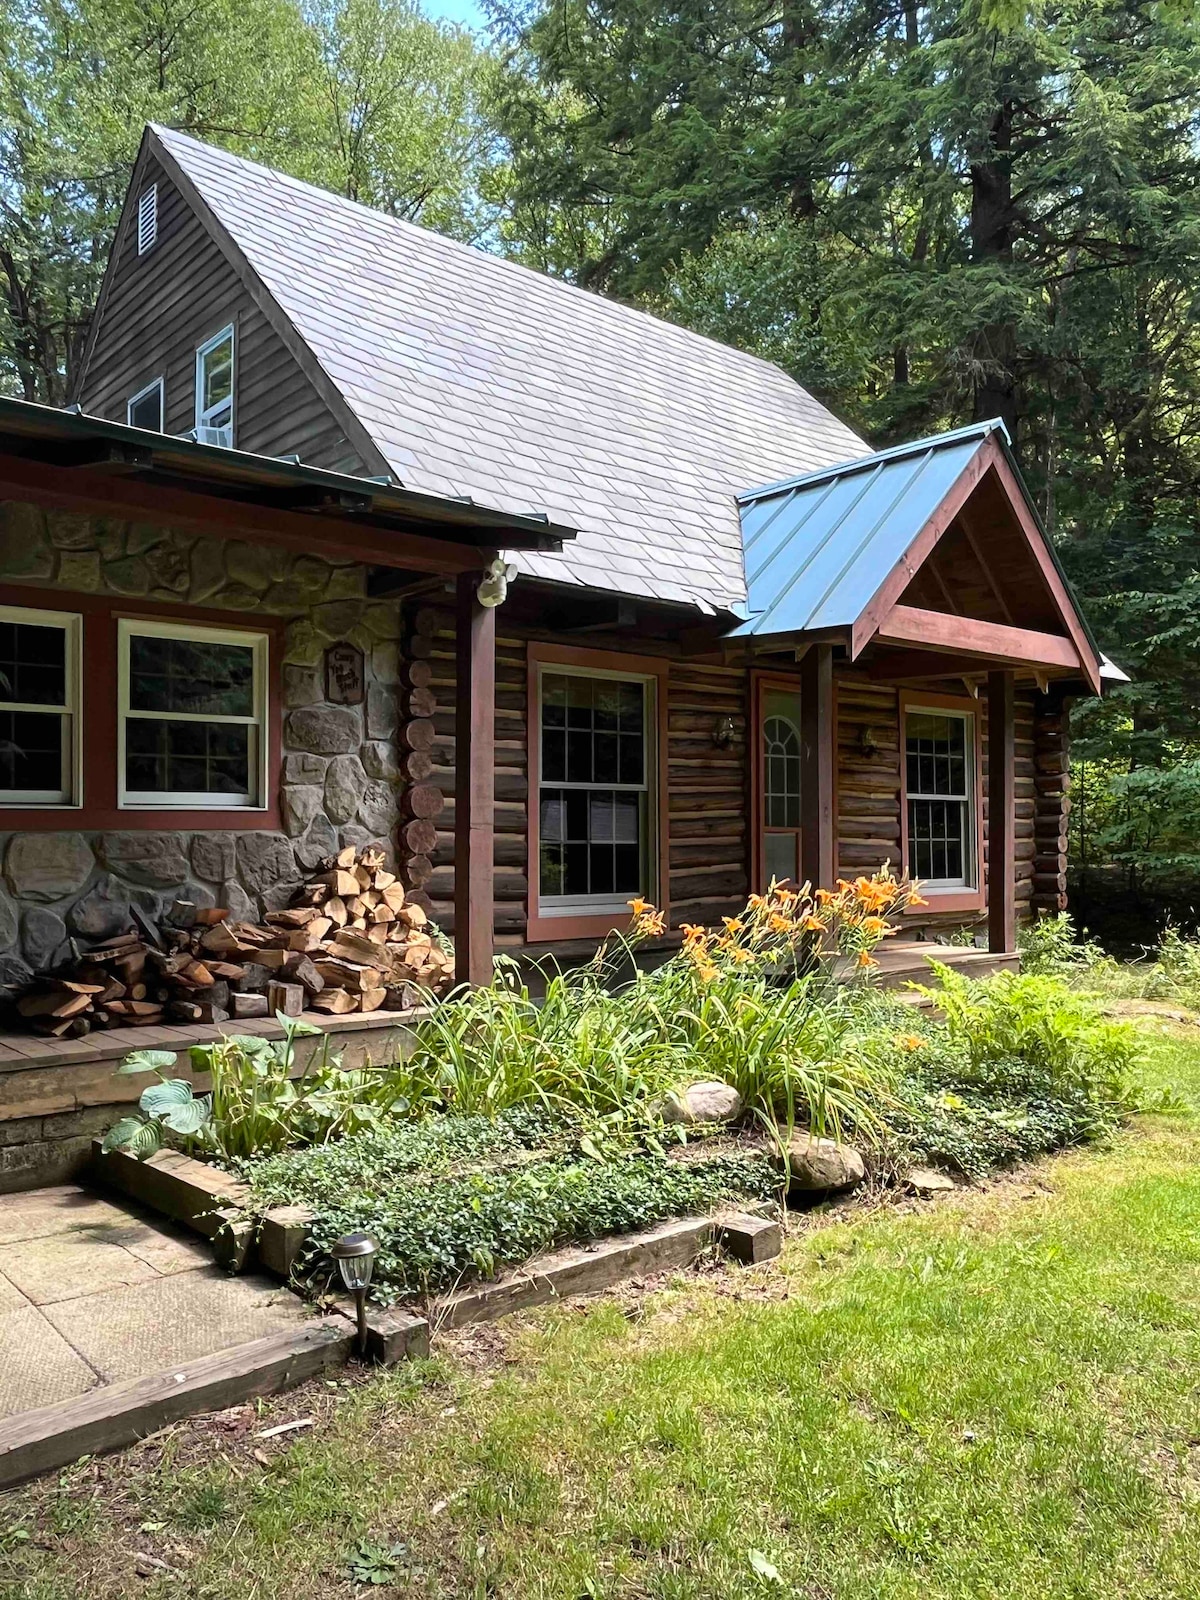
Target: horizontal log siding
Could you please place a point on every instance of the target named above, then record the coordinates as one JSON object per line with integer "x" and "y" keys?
{"x": 161, "y": 306}
{"x": 868, "y": 795}
{"x": 708, "y": 797}
{"x": 708, "y": 800}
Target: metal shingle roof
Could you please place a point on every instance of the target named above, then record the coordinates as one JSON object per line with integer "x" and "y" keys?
{"x": 474, "y": 375}
{"x": 818, "y": 547}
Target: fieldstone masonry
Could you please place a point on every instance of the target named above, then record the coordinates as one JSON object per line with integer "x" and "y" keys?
{"x": 341, "y": 783}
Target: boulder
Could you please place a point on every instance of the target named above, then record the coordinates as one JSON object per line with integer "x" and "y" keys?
{"x": 303, "y": 767}
{"x": 265, "y": 861}
{"x": 214, "y": 856}
{"x": 155, "y": 859}
{"x": 48, "y": 866}
{"x": 130, "y": 575}
{"x": 818, "y": 1165}
{"x": 102, "y": 912}
{"x": 237, "y": 902}
{"x": 300, "y": 804}
{"x": 302, "y": 686}
{"x": 24, "y": 546}
{"x": 345, "y": 782}
{"x": 43, "y": 936}
{"x": 325, "y": 730}
{"x": 318, "y": 844}
{"x": 377, "y": 808}
{"x": 709, "y": 1101}
{"x": 14, "y": 976}
{"x": 382, "y": 711}
{"x": 8, "y": 922}
{"x": 927, "y": 1181}
{"x": 379, "y": 761}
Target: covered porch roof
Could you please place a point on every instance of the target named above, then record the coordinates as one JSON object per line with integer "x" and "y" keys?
{"x": 932, "y": 553}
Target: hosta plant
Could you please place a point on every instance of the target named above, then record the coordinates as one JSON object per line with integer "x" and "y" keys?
{"x": 169, "y": 1103}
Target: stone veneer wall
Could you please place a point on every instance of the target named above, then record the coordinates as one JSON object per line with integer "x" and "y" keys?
{"x": 341, "y": 782}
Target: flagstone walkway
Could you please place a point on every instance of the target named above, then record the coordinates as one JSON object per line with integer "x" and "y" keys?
{"x": 93, "y": 1291}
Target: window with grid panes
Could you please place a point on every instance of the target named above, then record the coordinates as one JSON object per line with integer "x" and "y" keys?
{"x": 39, "y": 707}
{"x": 193, "y": 709}
{"x": 939, "y": 754}
{"x": 594, "y": 802}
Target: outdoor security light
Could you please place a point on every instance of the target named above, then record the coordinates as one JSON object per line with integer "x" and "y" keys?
{"x": 355, "y": 1255}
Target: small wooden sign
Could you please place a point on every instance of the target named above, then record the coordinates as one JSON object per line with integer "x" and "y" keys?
{"x": 344, "y": 685}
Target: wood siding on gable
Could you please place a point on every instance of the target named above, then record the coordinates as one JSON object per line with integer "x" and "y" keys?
{"x": 159, "y": 307}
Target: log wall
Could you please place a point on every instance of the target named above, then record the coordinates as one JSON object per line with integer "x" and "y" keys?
{"x": 708, "y": 800}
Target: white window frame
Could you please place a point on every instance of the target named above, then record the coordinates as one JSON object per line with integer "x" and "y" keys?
{"x": 135, "y": 399}
{"x": 147, "y": 219}
{"x": 574, "y": 905}
{"x": 70, "y": 796}
{"x": 203, "y": 413}
{"x": 969, "y": 799}
{"x": 200, "y": 800}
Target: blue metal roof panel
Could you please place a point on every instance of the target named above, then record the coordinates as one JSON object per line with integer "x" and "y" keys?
{"x": 818, "y": 547}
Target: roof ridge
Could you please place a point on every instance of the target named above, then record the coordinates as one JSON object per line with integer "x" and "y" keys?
{"x": 896, "y": 452}
{"x": 608, "y": 305}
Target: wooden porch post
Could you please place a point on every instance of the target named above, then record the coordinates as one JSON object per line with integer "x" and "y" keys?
{"x": 818, "y": 854}
{"x": 1002, "y": 859}
{"x": 474, "y": 784}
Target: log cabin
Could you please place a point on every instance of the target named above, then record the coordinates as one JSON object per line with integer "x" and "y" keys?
{"x": 561, "y": 603}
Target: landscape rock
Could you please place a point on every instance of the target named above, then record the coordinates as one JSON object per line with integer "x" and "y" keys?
{"x": 80, "y": 570}
{"x": 103, "y": 911}
{"x": 48, "y": 866}
{"x": 68, "y": 530}
{"x": 43, "y": 935}
{"x": 927, "y": 1180}
{"x": 709, "y": 1101}
{"x": 818, "y": 1165}
{"x": 345, "y": 782}
{"x": 325, "y": 730}
{"x": 208, "y": 569}
{"x": 130, "y": 575}
{"x": 156, "y": 859}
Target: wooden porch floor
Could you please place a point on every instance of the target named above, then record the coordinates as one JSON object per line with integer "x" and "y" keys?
{"x": 904, "y": 961}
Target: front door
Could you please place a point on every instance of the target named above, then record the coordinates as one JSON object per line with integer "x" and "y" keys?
{"x": 777, "y": 797}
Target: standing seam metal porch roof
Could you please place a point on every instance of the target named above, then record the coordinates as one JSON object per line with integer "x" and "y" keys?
{"x": 818, "y": 547}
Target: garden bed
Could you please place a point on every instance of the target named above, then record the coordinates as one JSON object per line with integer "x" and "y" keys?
{"x": 517, "y": 1127}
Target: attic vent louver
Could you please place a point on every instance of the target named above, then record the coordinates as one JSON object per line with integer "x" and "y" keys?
{"x": 147, "y": 231}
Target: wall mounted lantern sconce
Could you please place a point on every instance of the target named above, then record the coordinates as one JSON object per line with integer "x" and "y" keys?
{"x": 722, "y": 734}
{"x": 868, "y": 742}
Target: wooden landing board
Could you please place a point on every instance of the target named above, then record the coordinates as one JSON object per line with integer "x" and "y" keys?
{"x": 43, "y": 1077}
{"x": 119, "y": 1413}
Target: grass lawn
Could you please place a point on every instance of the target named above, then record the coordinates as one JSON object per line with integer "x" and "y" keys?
{"x": 996, "y": 1395}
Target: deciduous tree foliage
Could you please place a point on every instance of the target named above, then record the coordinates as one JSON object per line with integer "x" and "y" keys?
{"x": 364, "y": 96}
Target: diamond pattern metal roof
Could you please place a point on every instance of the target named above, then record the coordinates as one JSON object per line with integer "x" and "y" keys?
{"x": 477, "y": 376}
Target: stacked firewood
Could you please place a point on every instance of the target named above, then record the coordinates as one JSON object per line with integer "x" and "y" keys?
{"x": 349, "y": 942}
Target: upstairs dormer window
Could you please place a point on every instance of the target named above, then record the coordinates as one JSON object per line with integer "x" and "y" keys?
{"x": 214, "y": 390}
{"x": 145, "y": 408}
{"x": 147, "y": 224}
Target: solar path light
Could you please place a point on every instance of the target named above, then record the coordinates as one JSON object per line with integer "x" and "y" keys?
{"x": 355, "y": 1255}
